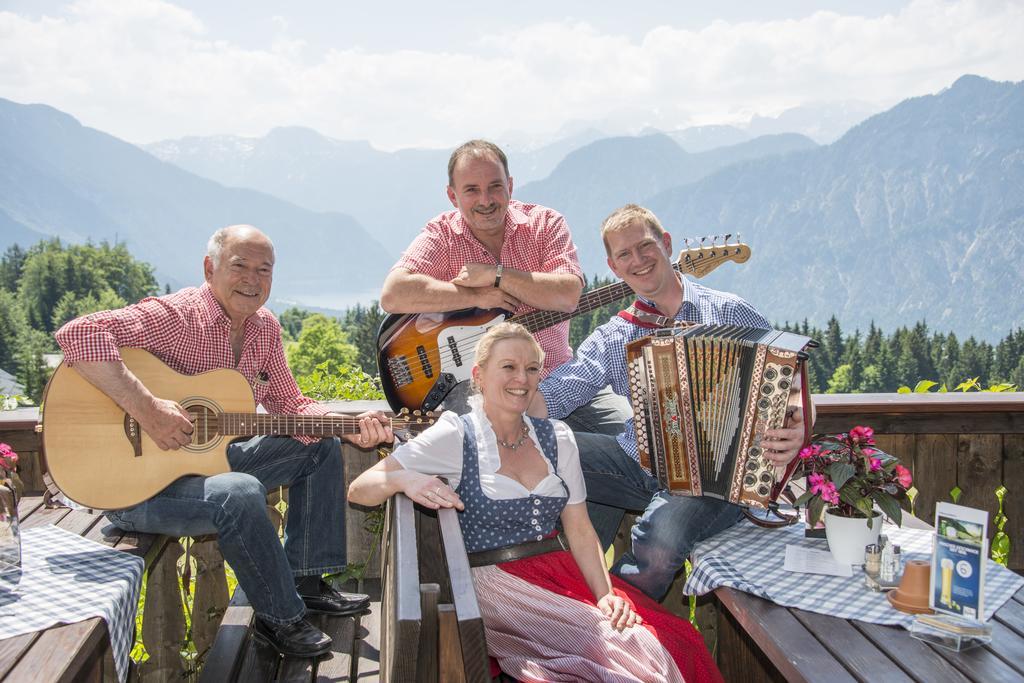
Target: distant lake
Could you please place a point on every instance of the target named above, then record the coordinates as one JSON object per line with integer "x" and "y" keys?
{"x": 332, "y": 302}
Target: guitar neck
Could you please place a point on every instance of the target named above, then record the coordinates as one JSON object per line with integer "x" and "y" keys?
{"x": 256, "y": 424}
{"x": 592, "y": 300}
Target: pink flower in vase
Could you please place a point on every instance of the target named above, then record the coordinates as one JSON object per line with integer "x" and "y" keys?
{"x": 876, "y": 464}
{"x": 8, "y": 458}
{"x": 862, "y": 435}
{"x": 809, "y": 451}
{"x": 824, "y": 488}
{"x": 904, "y": 477}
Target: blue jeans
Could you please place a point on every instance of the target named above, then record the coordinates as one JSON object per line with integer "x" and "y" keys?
{"x": 234, "y": 506}
{"x": 669, "y": 527}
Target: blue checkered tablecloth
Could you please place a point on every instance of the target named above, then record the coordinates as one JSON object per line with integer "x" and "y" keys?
{"x": 750, "y": 559}
{"x": 65, "y": 578}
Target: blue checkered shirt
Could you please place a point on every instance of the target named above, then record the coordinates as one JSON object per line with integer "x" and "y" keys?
{"x": 601, "y": 358}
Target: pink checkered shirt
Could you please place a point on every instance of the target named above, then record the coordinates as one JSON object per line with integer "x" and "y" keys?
{"x": 190, "y": 332}
{"x": 537, "y": 240}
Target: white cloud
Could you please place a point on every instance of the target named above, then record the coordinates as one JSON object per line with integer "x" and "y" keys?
{"x": 146, "y": 69}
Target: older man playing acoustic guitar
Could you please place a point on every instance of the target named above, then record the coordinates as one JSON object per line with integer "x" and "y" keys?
{"x": 223, "y": 324}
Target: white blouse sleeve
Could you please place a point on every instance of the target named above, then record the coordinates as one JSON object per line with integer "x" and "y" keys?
{"x": 569, "y": 462}
{"x": 437, "y": 450}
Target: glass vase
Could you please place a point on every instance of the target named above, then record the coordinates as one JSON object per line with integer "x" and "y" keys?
{"x": 10, "y": 534}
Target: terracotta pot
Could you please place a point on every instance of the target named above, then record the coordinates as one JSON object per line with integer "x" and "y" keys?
{"x": 847, "y": 536}
{"x": 912, "y": 595}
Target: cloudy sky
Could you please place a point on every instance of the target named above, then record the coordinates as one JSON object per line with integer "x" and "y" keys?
{"x": 432, "y": 74}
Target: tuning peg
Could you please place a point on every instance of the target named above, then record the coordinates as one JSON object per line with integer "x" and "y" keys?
{"x": 403, "y": 411}
{"x": 727, "y": 236}
{"x": 416, "y": 412}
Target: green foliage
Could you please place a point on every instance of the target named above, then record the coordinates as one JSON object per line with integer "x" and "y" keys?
{"x": 291, "y": 323}
{"x": 876, "y": 363}
{"x": 346, "y": 383}
{"x": 49, "y": 284}
{"x": 926, "y": 386}
{"x": 1000, "y": 542}
{"x": 11, "y": 264}
{"x": 87, "y": 273}
{"x": 321, "y": 341}
{"x": 12, "y": 326}
{"x": 581, "y": 326}
{"x": 361, "y": 324}
{"x": 32, "y": 371}
{"x": 12, "y": 401}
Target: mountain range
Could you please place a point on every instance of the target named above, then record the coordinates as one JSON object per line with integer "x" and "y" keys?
{"x": 61, "y": 179}
{"x": 915, "y": 213}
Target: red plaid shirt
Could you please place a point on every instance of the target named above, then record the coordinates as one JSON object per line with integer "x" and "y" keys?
{"x": 190, "y": 332}
{"x": 537, "y": 240}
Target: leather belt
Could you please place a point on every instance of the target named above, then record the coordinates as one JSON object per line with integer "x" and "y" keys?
{"x": 519, "y": 551}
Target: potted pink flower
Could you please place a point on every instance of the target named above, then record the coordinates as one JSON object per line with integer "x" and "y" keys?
{"x": 847, "y": 478}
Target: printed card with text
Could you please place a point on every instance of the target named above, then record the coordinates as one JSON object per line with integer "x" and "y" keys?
{"x": 958, "y": 561}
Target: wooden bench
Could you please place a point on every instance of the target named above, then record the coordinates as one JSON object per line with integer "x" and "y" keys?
{"x": 431, "y": 629}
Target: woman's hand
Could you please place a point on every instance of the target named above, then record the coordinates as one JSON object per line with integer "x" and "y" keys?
{"x": 619, "y": 612}
{"x": 430, "y": 492}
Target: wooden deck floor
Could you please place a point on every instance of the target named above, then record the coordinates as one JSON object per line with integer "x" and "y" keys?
{"x": 355, "y": 655}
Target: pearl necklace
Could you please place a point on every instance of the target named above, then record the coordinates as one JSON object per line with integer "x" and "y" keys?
{"x": 517, "y": 444}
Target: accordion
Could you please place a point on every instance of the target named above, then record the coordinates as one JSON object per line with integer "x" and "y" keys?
{"x": 703, "y": 397}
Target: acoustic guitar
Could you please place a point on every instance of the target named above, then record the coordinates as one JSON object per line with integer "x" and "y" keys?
{"x": 100, "y": 457}
{"x": 422, "y": 356}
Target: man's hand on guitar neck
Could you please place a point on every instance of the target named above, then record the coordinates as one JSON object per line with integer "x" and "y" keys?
{"x": 374, "y": 428}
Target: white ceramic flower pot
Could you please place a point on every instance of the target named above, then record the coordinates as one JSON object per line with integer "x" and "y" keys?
{"x": 847, "y": 536}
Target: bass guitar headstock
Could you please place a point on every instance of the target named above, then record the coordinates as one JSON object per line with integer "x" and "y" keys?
{"x": 408, "y": 423}
{"x": 707, "y": 253}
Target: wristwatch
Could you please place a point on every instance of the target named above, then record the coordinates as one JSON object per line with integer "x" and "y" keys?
{"x": 497, "y": 275}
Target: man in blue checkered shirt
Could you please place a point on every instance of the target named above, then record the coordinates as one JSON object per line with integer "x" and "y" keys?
{"x": 640, "y": 251}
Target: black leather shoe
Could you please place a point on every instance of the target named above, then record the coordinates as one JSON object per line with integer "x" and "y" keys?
{"x": 300, "y": 639}
{"x": 327, "y": 600}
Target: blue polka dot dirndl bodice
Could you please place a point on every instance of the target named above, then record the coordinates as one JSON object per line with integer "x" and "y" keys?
{"x": 488, "y": 523}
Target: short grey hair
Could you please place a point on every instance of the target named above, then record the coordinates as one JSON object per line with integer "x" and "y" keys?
{"x": 215, "y": 245}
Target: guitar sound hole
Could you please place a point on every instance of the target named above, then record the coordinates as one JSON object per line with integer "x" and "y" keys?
{"x": 204, "y": 421}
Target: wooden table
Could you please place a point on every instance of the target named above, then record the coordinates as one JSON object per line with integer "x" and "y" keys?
{"x": 71, "y": 652}
{"x": 760, "y": 641}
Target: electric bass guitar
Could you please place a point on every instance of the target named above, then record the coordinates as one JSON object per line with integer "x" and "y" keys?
{"x": 100, "y": 457}
{"x": 422, "y": 356}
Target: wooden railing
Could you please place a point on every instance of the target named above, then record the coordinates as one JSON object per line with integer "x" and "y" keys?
{"x": 958, "y": 445}
{"x": 971, "y": 442}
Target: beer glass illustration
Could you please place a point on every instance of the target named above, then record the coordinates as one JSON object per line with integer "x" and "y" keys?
{"x": 946, "y": 597}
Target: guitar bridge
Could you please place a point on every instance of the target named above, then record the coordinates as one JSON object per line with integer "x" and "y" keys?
{"x": 398, "y": 367}
{"x": 133, "y": 431}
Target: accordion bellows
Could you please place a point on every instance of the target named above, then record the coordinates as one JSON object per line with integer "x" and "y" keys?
{"x": 703, "y": 397}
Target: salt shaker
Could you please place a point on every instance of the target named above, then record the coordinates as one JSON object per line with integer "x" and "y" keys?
{"x": 872, "y": 563}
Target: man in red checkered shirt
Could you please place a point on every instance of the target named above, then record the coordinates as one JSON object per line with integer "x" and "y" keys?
{"x": 493, "y": 252}
{"x": 223, "y": 324}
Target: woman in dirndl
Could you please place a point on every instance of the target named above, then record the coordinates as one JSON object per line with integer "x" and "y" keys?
{"x": 550, "y": 609}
